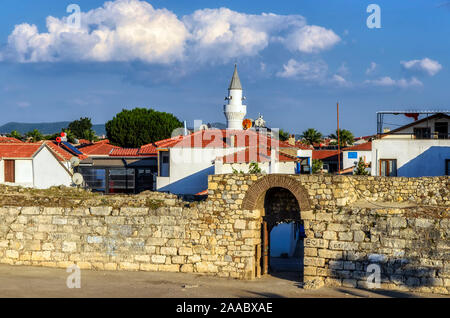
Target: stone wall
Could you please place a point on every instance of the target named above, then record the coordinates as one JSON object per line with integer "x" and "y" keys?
{"x": 401, "y": 224}
{"x": 171, "y": 238}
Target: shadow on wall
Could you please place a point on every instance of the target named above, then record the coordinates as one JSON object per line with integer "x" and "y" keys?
{"x": 405, "y": 273}
{"x": 428, "y": 164}
{"x": 191, "y": 184}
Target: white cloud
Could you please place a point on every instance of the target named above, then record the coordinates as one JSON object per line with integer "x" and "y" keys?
{"x": 373, "y": 66}
{"x": 223, "y": 33}
{"x": 340, "y": 80}
{"x": 119, "y": 31}
{"x": 424, "y": 66}
{"x": 311, "y": 39}
{"x": 127, "y": 30}
{"x": 310, "y": 71}
{"x": 389, "y": 82}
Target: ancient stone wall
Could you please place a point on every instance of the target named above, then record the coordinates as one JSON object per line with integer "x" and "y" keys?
{"x": 351, "y": 223}
{"x": 170, "y": 238}
{"x": 400, "y": 226}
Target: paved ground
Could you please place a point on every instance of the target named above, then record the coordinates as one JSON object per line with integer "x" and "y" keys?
{"x": 24, "y": 281}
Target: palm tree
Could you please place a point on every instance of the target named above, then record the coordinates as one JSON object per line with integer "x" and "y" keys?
{"x": 35, "y": 135}
{"x": 15, "y": 134}
{"x": 345, "y": 137}
{"x": 283, "y": 135}
{"x": 311, "y": 136}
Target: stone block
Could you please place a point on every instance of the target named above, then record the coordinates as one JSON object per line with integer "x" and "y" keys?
{"x": 31, "y": 211}
{"x": 158, "y": 259}
{"x": 101, "y": 210}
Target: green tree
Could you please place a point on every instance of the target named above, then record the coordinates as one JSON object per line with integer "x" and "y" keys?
{"x": 82, "y": 129}
{"x": 283, "y": 135}
{"x": 317, "y": 165}
{"x": 311, "y": 136}
{"x": 346, "y": 138}
{"x": 15, "y": 134}
{"x": 254, "y": 168}
{"x": 69, "y": 135}
{"x": 361, "y": 168}
{"x": 35, "y": 135}
{"x": 140, "y": 126}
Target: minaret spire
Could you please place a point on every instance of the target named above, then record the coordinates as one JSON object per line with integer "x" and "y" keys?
{"x": 235, "y": 81}
{"x": 234, "y": 111}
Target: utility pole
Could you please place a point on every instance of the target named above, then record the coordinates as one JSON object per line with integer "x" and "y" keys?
{"x": 339, "y": 145}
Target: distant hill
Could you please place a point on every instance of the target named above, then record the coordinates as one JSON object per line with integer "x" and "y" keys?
{"x": 45, "y": 128}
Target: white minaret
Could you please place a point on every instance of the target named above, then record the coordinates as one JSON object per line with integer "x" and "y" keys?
{"x": 234, "y": 111}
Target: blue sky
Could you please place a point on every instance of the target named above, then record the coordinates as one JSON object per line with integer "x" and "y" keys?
{"x": 178, "y": 56}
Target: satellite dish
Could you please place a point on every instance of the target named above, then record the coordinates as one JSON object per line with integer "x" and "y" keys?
{"x": 75, "y": 161}
{"x": 77, "y": 178}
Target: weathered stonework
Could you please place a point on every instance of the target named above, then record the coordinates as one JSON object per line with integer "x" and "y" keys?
{"x": 401, "y": 224}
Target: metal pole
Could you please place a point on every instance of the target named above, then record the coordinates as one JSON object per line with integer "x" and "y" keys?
{"x": 339, "y": 146}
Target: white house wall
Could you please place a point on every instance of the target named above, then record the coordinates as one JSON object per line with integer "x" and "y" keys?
{"x": 2, "y": 171}
{"x": 24, "y": 172}
{"x": 189, "y": 169}
{"x": 282, "y": 167}
{"x": 48, "y": 171}
{"x": 415, "y": 158}
{"x": 347, "y": 163}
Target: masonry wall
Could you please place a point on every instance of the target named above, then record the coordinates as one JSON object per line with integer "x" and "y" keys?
{"x": 170, "y": 238}
{"x": 401, "y": 224}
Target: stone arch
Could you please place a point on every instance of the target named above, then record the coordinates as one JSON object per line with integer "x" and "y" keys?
{"x": 254, "y": 198}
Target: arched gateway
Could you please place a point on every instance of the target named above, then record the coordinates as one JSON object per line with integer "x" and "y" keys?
{"x": 254, "y": 198}
{"x": 280, "y": 199}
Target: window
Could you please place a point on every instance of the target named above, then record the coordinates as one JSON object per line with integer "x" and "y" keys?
{"x": 94, "y": 178}
{"x": 447, "y": 167}
{"x": 422, "y": 133}
{"x": 441, "y": 130}
{"x": 120, "y": 180}
{"x": 388, "y": 167}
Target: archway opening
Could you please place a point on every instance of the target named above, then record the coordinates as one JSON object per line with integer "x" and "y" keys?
{"x": 282, "y": 235}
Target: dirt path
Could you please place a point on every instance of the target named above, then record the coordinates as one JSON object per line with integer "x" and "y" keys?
{"x": 24, "y": 281}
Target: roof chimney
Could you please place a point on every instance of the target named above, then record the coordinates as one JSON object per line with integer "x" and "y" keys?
{"x": 291, "y": 140}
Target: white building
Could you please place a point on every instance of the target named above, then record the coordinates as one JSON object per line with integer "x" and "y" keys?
{"x": 34, "y": 165}
{"x": 421, "y": 148}
{"x": 352, "y": 155}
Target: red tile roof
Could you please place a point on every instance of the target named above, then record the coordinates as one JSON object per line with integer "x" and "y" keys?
{"x": 149, "y": 149}
{"x": 217, "y": 138}
{"x": 84, "y": 142}
{"x": 61, "y": 153}
{"x": 99, "y": 148}
{"x": 9, "y": 140}
{"x": 131, "y": 152}
{"x": 323, "y": 154}
{"x": 19, "y": 150}
{"x": 367, "y": 146}
{"x": 255, "y": 154}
